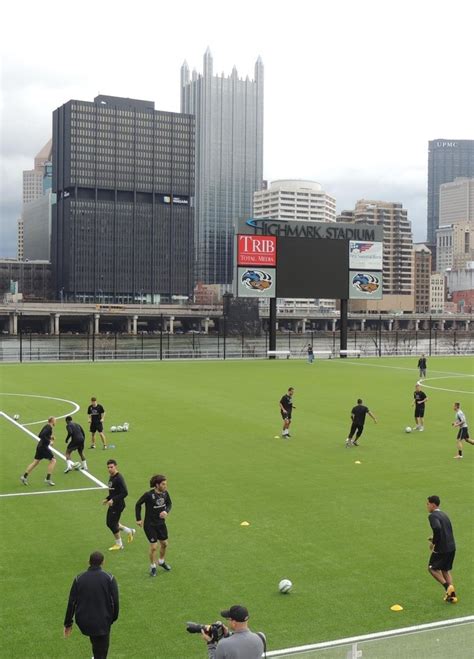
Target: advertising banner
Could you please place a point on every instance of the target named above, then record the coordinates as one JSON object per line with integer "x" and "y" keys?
{"x": 365, "y": 255}
{"x": 258, "y": 282}
{"x": 256, "y": 250}
{"x": 365, "y": 285}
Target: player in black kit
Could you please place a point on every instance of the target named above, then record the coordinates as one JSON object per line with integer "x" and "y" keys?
{"x": 115, "y": 503}
{"x": 76, "y": 434}
{"x": 157, "y": 506}
{"x": 96, "y": 419}
{"x": 43, "y": 452}
{"x": 358, "y": 414}
{"x": 419, "y": 400}
{"x": 286, "y": 409}
{"x": 443, "y": 548}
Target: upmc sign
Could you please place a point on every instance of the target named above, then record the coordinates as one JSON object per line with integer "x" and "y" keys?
{"x": 256, "y": 250}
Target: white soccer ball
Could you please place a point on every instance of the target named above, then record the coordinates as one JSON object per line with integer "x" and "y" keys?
{"x": 408, "y": 429}
{"x": 113, "y": 429}
{"x": 119, "y": 428}
{"x": 16, "y": 417}
{"x": 125, "y": 427}
{"x": 77, "y": 466}
{"x": 285, "y": 586}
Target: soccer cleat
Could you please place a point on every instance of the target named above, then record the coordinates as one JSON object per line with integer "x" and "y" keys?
{"x": 24, "y": 480}
{"x": 48, "y": 481}
{"x": 92, "y": 446}
{"x": 354, "y": 442}
{"x": 116, "y": 548}
{"x": 451, "y": 594}
{"x": 288, "y": 435}
{"x": 165, "y": 566}
{"x": 348, "y": 443}
{"x": 153, "y": 572}
{"x": 458, "y": 457}
{"x": 131, "y": 535}
{"x": 105, "y": 447}
{"x": 67, "y": 470}
{"x": 83, "y": 468}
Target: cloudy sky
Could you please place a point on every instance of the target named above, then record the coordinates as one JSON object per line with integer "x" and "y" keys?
{"x": 353, "y": 90}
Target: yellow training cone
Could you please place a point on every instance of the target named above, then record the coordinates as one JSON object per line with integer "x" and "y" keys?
{"x": 396, "y": 607}
{"x": 277, "y": 437}
{"x": 244, "y": 524}
{"x": 358, "y": 462}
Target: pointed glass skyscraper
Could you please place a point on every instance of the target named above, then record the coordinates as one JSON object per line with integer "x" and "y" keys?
{"x": 229, "y": 160}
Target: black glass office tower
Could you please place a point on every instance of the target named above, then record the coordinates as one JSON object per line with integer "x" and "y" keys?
{"x": 123, "y": 224}
{"x": 447, "y": 159}
{"x": 229, "y": 160}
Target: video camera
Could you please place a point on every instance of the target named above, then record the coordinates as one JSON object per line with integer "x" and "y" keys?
{"x": 214, "y": 630}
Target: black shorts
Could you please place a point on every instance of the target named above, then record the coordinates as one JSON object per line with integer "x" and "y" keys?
{"x": 155, "y": 532}
{"x": 419, "y": 411}
{"x": 75, "y": 446}
{"x": 43, "y": 453}
{"x": 286, "y": 415}
{"x": 442, "y": 562}
{"x": 463, "y": 433}
{"x": 113, "y": 518}
{"x": 356, "y": 428}
{"x": 97, "y": 426}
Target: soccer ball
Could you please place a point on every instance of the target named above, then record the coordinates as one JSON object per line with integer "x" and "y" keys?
{"x": 119, "y": 428}
{"x": 76, "y": 466}
{"x": 16, "y": 417}
{"x": 285, "y": 586}
{"x": 125, "y": 427}
{"x": 113, "y": 429}
{"x": 408, "y": 429}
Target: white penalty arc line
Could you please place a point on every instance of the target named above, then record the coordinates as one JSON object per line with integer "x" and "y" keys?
{"x": 50, "y": 491}
{"x": 62, "y": 400}
{"x": 448, "y": 377}
{"x": 58, "y": 453}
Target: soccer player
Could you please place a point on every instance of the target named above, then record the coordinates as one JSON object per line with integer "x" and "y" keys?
{"x": 443, "y": 548}
{"x": 286, "y": 409}
{"x": 419, "y": 400}
{"x": 96, "y": 419}
{"x": 115, "y": 503}
{"x": 358, "y": 414}
{"x": 43, "y": 452}
{"x": 310, "y": 353}
{"x": 460, "y": 422}
{"x": 76, "y": 434}
{"x": 422, "y": 366}
{"x": 157, "y": 507}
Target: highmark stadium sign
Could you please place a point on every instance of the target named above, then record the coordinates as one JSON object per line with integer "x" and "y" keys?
{"x": 314, "y": 230}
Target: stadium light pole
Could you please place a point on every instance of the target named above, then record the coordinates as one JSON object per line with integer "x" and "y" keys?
{"x": 272, "y": 321}
{"x": 343, "y": 328}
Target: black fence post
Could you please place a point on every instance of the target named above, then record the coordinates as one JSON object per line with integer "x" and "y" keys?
{"x": 59, "y": 346}
{"x": 242, "y": 351}
{"x": 115, "y": 345}
{"x": 142, "y": 346}
{"x": 430, "y": 328}
{"x": 93, "y": 345}
{"x": 21, "y": 344}
{"x": 30, "y": 345}
{"x": 225, "y": 337}
{"x": 161, "y": 338}
{"x": 380, "y": 336}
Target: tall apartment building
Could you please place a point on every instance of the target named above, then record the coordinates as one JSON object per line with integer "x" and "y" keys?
{"x": 456, "y": 201}
{"x": 437, "y": 292}
{"x": 292, "y": 199}
{"x": 422, "y": 278}
{"x": 122, "y": 226}
{"x": 447, "y": 160}
{"x": 36, "y": 220}
{"x": 229, "y": 160}
{"x": 454, "y": 246}
{"x": 20, "y": 247}
{"x": 398, "y": 285}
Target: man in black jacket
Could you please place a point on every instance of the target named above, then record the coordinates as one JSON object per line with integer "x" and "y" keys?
{"x": 76, "y": 434}
{"x": 157, "y": 507}
{"x": 443, "y": 548}
{"x": 94, "y": 603}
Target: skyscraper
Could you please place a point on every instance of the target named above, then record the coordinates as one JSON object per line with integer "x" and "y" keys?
{"x": 122, "y": 227}
{"x": 447, "y": 160}
{"x": 293, "y": 199}
{"x": 229, "y": 160}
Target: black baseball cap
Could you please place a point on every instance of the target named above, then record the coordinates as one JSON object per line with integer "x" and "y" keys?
{"x": 237, "y": 612}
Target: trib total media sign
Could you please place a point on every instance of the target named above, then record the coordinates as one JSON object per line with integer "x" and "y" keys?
{"x": 257, "y": 250}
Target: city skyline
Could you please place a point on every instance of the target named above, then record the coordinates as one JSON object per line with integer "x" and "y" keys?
{"x": 353, "y": 112}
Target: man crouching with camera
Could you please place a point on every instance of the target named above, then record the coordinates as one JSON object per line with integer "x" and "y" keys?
{"x": 235, "y": 641}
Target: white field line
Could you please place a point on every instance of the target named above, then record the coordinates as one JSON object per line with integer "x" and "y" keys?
{"x": 371, "y": 637}
{"x": 62, "y": 400}
{"x": 414, "y": 370}
{"x": 50, "y": 491}
{"x": 58, "y": 453}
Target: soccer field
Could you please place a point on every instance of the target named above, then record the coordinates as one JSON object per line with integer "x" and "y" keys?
{"x": 348, "y": 526}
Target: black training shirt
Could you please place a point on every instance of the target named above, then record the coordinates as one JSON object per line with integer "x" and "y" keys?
{"x": 443, "y": 537}
{"x": 76, "y": 432}
{"x": 117, "y": 490}
{"x": 358, "y": 414}
{"x": 420, "y": 397}
{"x": 95, "y": 412}
{"x": 155, "y": 503}
{"x": 287, "y": 402}
{"x": 45, "y": 435}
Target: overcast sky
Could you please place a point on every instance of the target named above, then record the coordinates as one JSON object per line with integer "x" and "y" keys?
{"x": 353, "y": 89}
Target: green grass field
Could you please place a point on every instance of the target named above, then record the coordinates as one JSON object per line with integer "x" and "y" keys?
{"x": 352, "y": 537}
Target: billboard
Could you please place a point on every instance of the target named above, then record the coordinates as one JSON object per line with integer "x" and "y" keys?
{"x": 256, "y": 250}
{"x": 256, "y": 282}
{"x": 365, "y": 285}
{"x": 365, "y": 255}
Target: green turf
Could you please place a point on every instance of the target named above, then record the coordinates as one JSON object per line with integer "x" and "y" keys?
{"x": 351, "y": 537}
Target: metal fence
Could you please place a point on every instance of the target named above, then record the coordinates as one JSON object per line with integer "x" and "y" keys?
{"x": 29, "y": 347}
